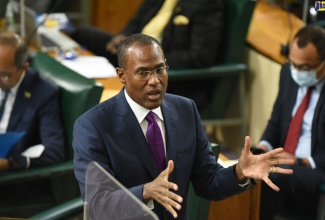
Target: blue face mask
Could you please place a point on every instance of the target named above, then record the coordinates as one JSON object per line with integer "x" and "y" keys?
{"x": 304, "y": 78}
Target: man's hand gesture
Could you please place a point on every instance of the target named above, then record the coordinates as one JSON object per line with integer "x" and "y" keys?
{"x": 259, "y": 166}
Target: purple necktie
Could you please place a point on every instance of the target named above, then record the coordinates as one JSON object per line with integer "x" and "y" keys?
{"x": 155, "y": 142}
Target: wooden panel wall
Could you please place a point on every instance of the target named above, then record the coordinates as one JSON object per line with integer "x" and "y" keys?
{"x": 113, "y": 15}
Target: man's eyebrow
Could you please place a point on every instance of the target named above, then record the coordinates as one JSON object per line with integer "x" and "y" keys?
{"x": 303, "y": 64}
{"x": 142, "y": 68}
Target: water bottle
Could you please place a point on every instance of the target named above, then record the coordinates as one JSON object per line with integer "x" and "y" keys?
{"x": 10, "y": 20}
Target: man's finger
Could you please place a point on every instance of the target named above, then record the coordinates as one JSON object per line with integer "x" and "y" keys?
{"x": 271, "y": 184}
{"x": 247, "y": 144}
{"x": 274, "y": 152}
{"x": 171, "y": 210}
{"x": 281, "y": 161}
{"x": 169, "y": 169}
{"x": 283, "y": 171}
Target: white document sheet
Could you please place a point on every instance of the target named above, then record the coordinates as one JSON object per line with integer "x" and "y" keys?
{"x": 34, "y": 151}
{"x": 91, "y": 66}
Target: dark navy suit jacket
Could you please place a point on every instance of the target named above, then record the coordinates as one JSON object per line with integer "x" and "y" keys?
{"x": 279, "y": 122}
{"x": 37, "y": 111}
{"x": 110, "y": 134}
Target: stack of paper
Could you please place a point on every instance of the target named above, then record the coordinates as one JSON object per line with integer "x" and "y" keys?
{"x": 91, "y": 66}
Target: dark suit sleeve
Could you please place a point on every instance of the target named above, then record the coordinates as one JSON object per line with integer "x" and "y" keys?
{"x": 210, "y": 180}
{"x": 51, "y": 132}
{"x": 40, "y": 117}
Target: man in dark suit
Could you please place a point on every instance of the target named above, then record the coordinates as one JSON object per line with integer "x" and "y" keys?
{"x": 305, "y": 69}
{"x": 190, "y": 37}
{"x": 32, "y": 105}
{"x": 115, "y": 134}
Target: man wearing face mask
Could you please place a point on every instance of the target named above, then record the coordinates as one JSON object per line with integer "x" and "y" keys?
{"x": 297, "y": 124}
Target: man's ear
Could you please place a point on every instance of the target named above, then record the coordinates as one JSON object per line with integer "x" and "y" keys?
{"x": 121, "y": 75}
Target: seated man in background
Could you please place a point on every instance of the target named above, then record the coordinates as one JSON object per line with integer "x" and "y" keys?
{"x": 297, "y": 124}
{"x": 29, "y": 104}
{"x": 157, "y": 167}
{"x": 189, "y": 32}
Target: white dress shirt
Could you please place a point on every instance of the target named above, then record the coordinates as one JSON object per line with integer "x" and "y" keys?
{"x": 9, "y": 105}
{"x": 141, "y": 113}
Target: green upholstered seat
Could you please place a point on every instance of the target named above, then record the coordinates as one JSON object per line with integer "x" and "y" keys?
{"x": 66, "y": 210}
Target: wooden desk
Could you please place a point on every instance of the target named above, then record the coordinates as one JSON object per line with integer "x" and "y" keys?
{"x": 244, "y": 206}
{"x": 269, "y": 28}
{"x": 112, "y": 86}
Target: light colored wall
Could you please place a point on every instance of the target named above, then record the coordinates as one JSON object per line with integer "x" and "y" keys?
{"x": 261, "y": 91}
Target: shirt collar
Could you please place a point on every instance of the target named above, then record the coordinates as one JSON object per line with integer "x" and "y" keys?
{"x": 141, "y": 112}
{"x": 14, "y": 89}
{"x": 319, "y": 86}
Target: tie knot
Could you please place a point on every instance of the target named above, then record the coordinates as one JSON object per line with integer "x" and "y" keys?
{"x": 151, "y": 117}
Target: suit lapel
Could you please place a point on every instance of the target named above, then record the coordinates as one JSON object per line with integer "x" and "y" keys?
{"x": 133, "y": 133}
{"x": 24, "y": 94}
{"x": 170, "y": 121}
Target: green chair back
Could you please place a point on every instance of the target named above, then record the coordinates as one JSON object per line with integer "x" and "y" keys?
{"x": 78, "y": 94}
{"x": 238, "y": 17}
{"x": 231, "y": 62}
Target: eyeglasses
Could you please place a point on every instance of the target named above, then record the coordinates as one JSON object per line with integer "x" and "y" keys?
{"x": 306, "y": 67}
{"x": 145, "y": 75}
{"x": 6, "y": 76}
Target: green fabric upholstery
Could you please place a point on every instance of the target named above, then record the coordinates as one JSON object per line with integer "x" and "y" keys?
{"x": 228, "y": 74}
{"x": 321, "y": 203}
{"x": 78, "y": 94}
{"x": 198, "y": 208}
{"x": 67, "y": 210}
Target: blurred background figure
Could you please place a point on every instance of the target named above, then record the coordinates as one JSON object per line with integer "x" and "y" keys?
{"x": 28, "y": 104}
{"x": 189, "y": 31}
{"x": 296, "y": 124}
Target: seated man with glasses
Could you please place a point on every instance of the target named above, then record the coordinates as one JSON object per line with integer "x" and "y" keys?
{"x": 29, "y": 104}
{"x": 297, "y": 124}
